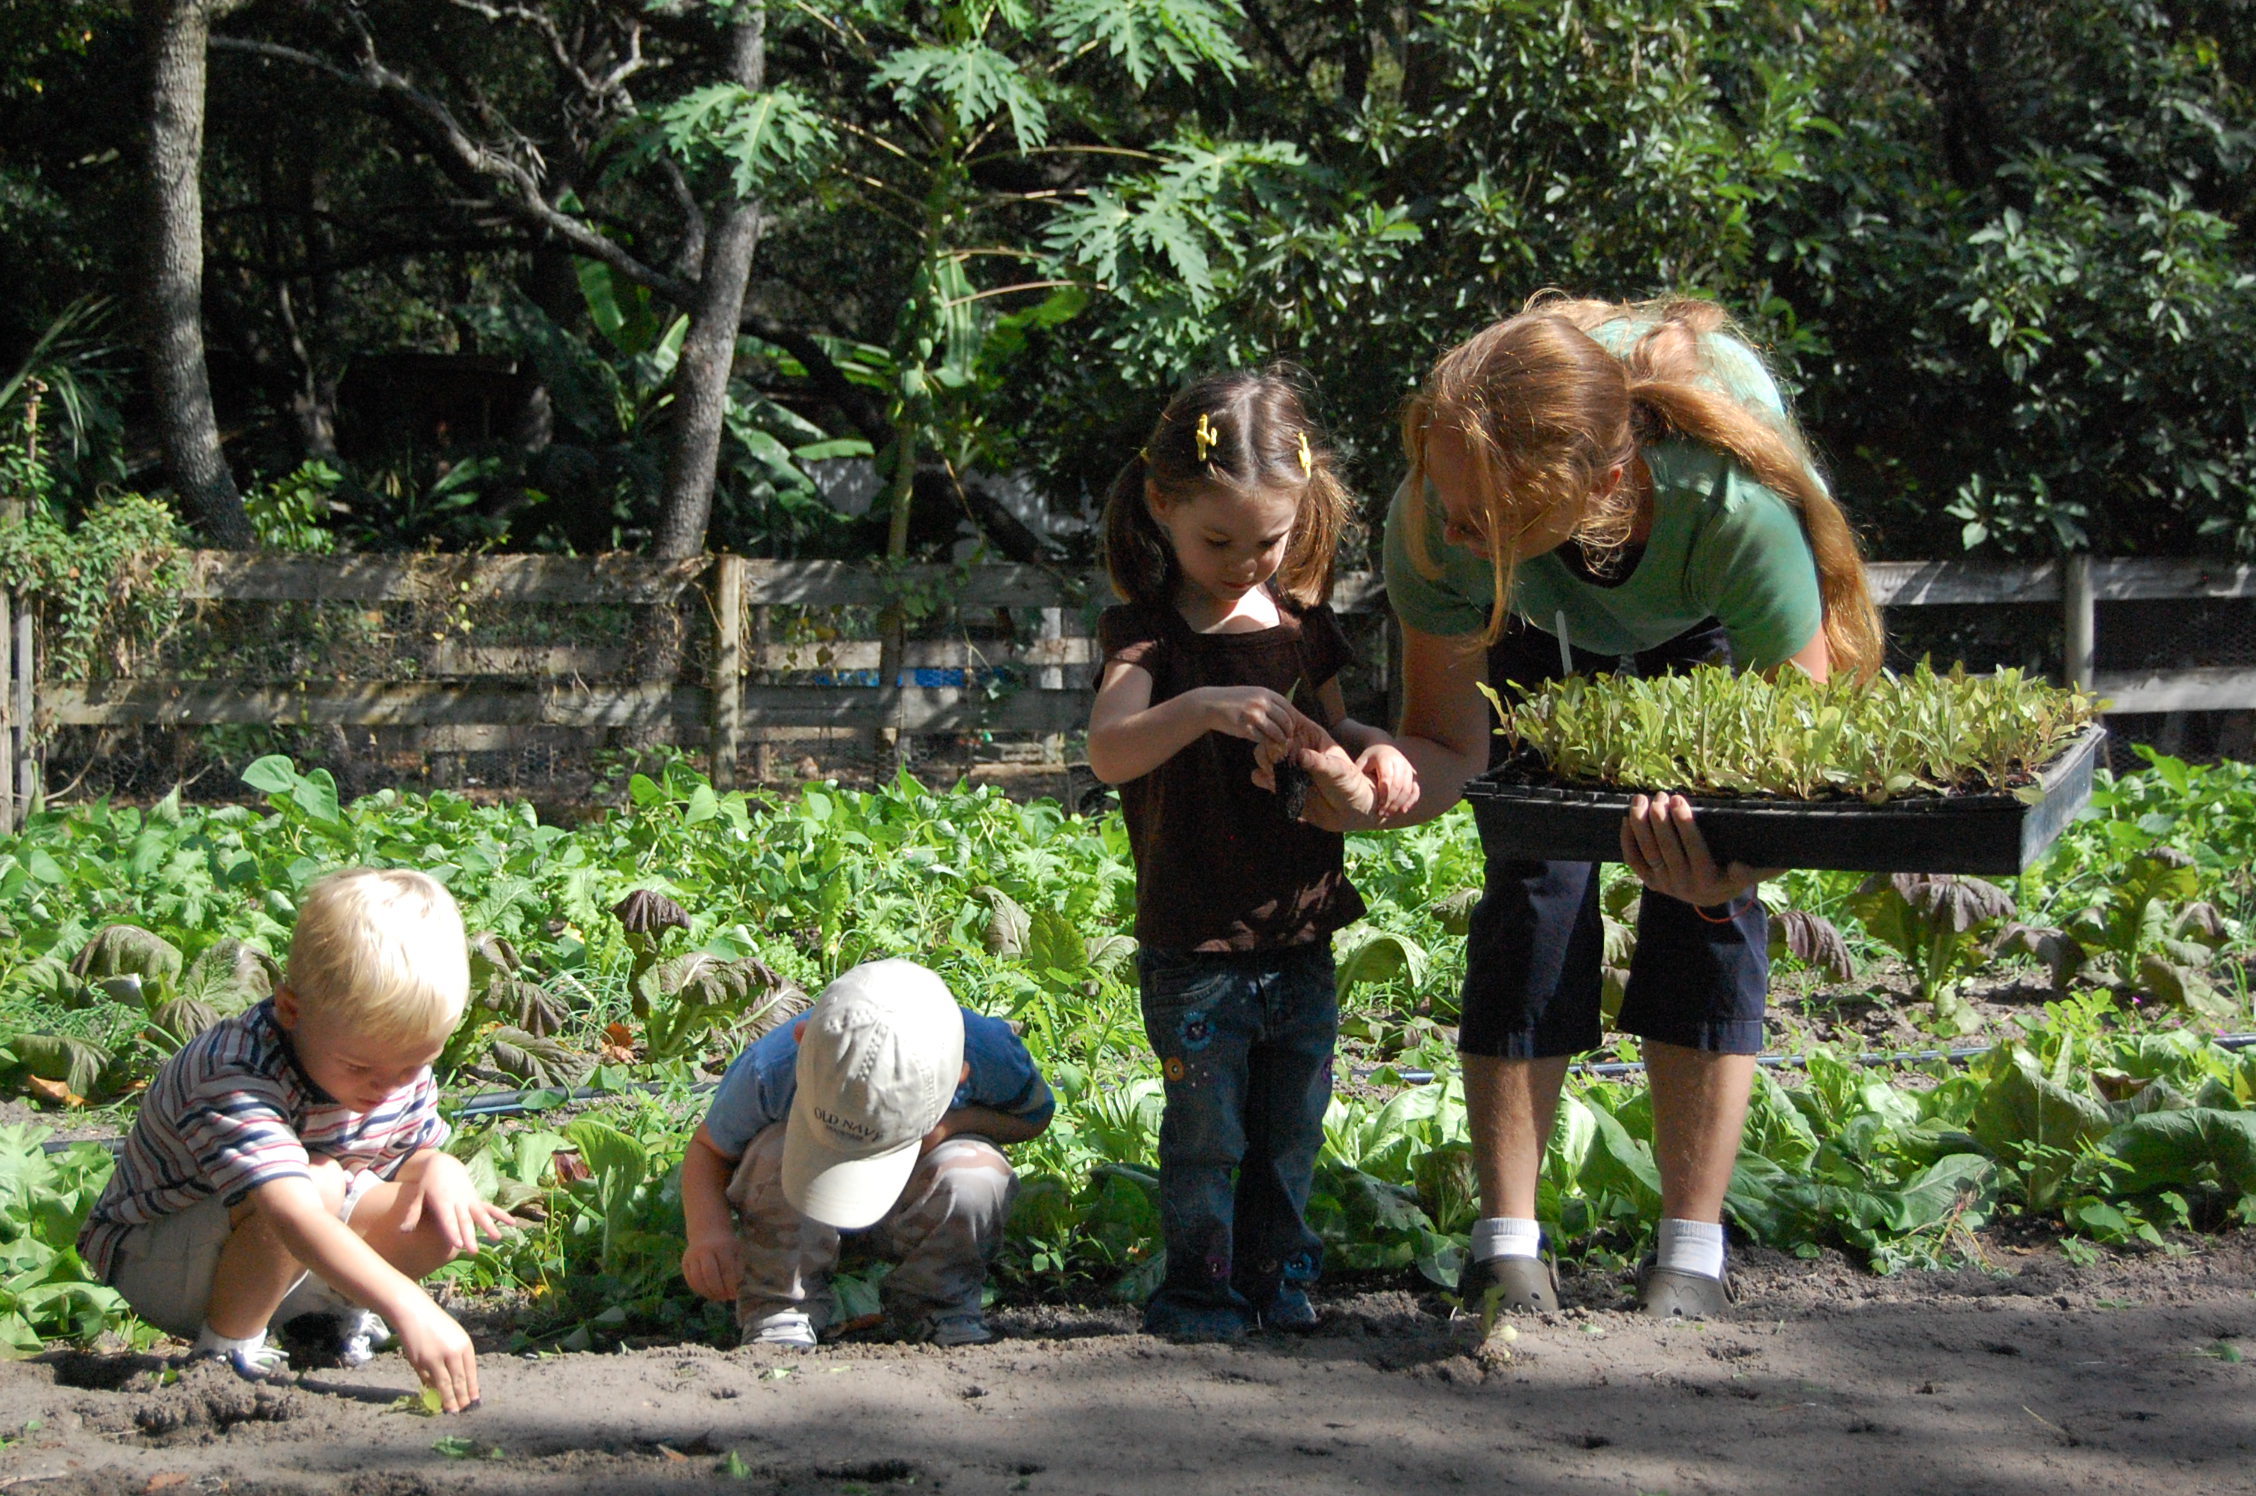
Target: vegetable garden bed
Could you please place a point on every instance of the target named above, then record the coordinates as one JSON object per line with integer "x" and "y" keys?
{"x": 1023, "y": 908}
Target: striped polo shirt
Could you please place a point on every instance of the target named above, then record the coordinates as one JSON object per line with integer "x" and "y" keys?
{"x": 233, "y": 1110}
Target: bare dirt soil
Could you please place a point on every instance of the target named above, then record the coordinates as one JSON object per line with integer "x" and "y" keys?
{"x": 2037, "y": 1377}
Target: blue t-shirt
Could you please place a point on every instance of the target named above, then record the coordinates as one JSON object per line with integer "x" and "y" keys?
{"x": 756, "y": 1092}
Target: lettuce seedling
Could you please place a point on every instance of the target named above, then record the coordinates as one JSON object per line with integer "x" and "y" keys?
{"x": 1709, "y": 731}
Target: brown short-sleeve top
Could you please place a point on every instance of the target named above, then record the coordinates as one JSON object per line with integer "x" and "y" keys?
{"x": 1218, "y": 865}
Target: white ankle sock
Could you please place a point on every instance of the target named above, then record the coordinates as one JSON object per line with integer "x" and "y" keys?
{"x": 1692, "y": 1247}
{"x": 209, "y": 1339}
{"x": 1506, "y": 1236}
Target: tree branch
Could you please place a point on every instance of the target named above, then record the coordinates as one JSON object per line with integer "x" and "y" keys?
{"x": 520, "y": 195}
{"x": 611, "y": 82}
{"x": 857, "y": 404}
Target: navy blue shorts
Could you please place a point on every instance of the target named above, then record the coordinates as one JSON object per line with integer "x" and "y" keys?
{"x": 1532, "y": 982}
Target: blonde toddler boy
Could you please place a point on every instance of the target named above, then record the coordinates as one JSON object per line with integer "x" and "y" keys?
{"x": 288, "y": 1158}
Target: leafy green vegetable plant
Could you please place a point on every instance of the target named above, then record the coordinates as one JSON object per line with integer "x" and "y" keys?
{"x": 2155, "y": 934}
{"x": 45, "y": 1291}
{"x": 1939, "y": 924}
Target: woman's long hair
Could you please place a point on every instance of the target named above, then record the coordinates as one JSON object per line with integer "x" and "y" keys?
{"x": 1241, "y": 432}
{"x": 1546, "y": 412}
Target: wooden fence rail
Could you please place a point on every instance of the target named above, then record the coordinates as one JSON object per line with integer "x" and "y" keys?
{"x": 481, "y": 693}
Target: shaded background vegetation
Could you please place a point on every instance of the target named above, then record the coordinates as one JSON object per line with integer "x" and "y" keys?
{"x": 2000, "y": 249}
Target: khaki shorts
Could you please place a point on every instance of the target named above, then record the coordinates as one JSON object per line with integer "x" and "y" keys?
{"x": 165, "y": 1269}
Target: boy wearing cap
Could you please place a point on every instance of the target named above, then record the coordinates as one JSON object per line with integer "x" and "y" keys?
{"x": 881, "y": 1111}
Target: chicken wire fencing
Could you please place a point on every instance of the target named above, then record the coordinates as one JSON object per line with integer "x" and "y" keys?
{"x": 476, "y": 674}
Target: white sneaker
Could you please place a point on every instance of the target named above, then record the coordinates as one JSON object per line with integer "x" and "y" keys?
{"x": 260, "y": 1363}
{"x": 786, "y": 1327}
{"x": 359, "y": 1333}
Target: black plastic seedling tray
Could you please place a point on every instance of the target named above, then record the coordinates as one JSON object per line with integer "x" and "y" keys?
{"x": 1991, "y": 834}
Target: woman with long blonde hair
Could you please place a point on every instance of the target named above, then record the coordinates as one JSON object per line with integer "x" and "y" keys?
{"x": 1599, "y": 486}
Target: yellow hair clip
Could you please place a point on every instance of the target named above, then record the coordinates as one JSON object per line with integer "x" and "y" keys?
{"x": 1206, "y": 436}
{"x": 1307, "y": 457}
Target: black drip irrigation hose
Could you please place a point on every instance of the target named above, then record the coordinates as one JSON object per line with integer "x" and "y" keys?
{"x": 478, "y": 1108}
{"x": 512, "y": 1103}
{"x": 490, "y": 1104}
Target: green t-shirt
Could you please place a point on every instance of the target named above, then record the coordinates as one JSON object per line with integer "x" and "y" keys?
{"x": 1723, "y": 546}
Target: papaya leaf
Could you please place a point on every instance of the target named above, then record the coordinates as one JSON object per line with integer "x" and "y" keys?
{"x": 1144, "y": 36}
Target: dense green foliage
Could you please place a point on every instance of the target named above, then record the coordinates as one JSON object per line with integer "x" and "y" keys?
{"x": 2108, "y": 1114}
{"x": 2001, "y": 249}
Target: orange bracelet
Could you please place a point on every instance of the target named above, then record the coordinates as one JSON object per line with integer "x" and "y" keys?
{"x": 1730, "y": 915}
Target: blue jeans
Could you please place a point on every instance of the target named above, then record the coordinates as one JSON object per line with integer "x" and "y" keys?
{"x": 1245, "y": 1045}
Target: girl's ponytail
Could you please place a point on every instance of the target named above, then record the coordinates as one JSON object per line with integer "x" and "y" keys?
{"x": 1304, "y": 578}
{"x": 1137, "y": 555}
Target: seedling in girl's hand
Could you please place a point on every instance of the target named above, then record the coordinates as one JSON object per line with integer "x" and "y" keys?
{"x": 1293, "y": 781}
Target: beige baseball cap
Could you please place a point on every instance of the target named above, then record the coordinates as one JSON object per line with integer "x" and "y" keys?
{"x": 879, "y": 1061}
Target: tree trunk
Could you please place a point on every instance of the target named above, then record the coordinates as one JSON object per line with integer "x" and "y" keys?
{"x": 175, "y": 32}
{"x": 709, "y": 350}
{"x": 888, "y": 745}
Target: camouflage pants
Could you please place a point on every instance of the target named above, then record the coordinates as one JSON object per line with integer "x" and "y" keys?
{"x": 940, "y": 1235}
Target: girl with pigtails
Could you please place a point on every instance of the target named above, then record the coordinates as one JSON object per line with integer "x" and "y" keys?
{"x": 1598, "y": 487}
{"x": 1223, "y": 659}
